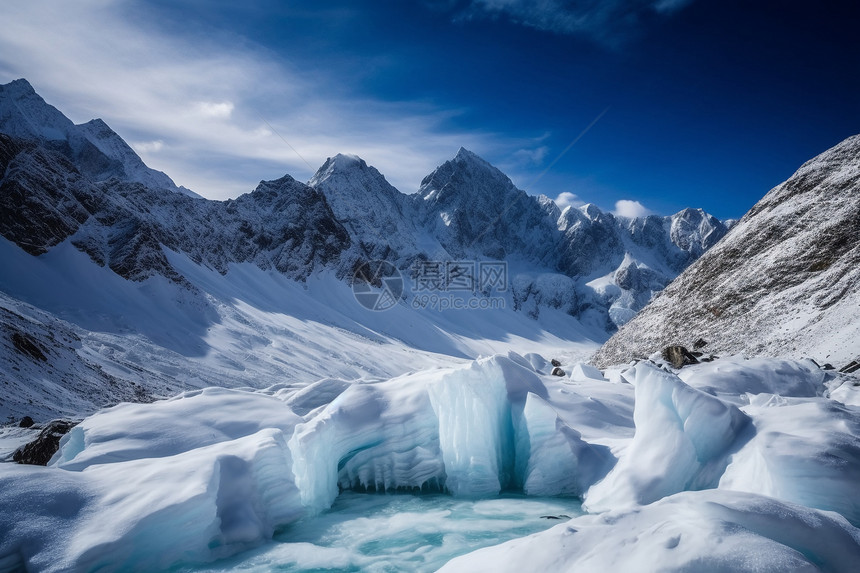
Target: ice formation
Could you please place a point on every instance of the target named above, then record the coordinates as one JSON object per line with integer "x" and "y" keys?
{"x": 216, "y": 472}
{"x": 682, "y": 438}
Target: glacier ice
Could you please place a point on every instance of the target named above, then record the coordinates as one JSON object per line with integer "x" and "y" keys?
{"x": 214, "y": 472}
{"x": 148, "y": 514}
{"x": 682, "y": 439}
{"x": 804, "y": 451}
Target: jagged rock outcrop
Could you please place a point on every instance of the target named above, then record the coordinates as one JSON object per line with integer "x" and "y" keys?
{"x": 784, "y": 281}
{"x": 44, "y": 200}
{"x": 39, "y": 451}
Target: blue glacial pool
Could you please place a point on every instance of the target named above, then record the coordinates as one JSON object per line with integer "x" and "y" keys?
{"x": 398, "y": 533}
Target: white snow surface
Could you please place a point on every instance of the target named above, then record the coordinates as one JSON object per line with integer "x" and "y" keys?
{"x": 665, "y": 468}
{"x": 706, "y": 531}
{"x": 108, "y": 339}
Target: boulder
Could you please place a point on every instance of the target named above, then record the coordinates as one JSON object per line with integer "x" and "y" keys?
{"x": 26, "y": 422}
{"x": 557, "y": 371}
{"x": 39, "y": 451}
{"x": 678, "y": 356}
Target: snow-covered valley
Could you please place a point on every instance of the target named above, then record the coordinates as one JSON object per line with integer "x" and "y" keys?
{"x": 236, "y": 403}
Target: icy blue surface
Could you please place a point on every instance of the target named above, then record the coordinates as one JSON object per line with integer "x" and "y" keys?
{"x": 379, "y": 532}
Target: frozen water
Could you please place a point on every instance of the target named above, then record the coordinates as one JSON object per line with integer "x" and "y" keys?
{"x": 375, "y": 532}
{"x": 682, "y": 438}
{"x": 804, "y": 451}
{"x": 212, "y": 473}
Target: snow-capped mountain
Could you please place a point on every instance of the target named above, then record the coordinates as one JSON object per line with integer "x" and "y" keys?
{"x": 95, "y": 149}
{"x": 589, "y": 263}
{"x": 474, "y": 209}
{"x": 112, "y": 239}
{"x": 379, "y": 218}
{"x": 283, "y": 224}
{"x": 784, "y": 281}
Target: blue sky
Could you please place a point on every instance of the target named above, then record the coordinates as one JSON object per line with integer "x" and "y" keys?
{"x": 698, "y": 102}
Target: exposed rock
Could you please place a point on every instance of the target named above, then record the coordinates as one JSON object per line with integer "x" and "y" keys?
{"x": 555, "y": 362}
{"x": 39, "y": 451}
{"x": 784, "y": 281}
{"x": 700, "y": 343}
{"x": 25, "y": 344}
{"x": 557, "y": 371}
{"x": 26, "y": 422}
{"x": 852, "y": 366}
{"x": 562, "y": 516}
{"x": 679, "y": 356}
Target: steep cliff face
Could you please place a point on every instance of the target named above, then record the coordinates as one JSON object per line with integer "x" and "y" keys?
{"x": 784, "y": 281}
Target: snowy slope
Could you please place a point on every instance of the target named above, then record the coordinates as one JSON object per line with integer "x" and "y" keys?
{"x": 784, "y": 282}
{"x": 115, "y": 339}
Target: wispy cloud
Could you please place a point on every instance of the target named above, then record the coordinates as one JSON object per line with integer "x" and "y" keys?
{"x": 220, "y": 110}
{"x": 147, "y": 146}
{"x": 631, "y": 209}
{"x": 606, "y": 21}
{"x": 213, "y": 110}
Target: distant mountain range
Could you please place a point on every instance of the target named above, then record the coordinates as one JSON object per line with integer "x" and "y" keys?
{"x": 121, "y": 278}
{"x": 85, "y": 184}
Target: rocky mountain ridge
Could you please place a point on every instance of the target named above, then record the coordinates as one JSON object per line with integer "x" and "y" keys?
{"x": 785, "y": 280}
{"x": 93, "y": 147}
{"x": 84, "y": 184}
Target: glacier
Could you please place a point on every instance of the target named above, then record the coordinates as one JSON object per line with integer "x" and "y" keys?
{"x": 214, "y": 473}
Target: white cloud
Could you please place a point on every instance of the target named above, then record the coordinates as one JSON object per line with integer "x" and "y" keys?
{"x": 148, "y": 146}
{"x": 568, "y": 199}
{"x": 631, "y": 209}
{"x": 532, "y": 156}
{"x": 220, "y": 110}
{"x": 153, "y": 86}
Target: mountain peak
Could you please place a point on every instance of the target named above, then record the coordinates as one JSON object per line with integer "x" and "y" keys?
{"x": 95, "y": 149}
{"x": 97, "y": 122}
{"x": 347, "y": 159}
{"x": 20, "y": 86}
{"x": 470, "y": 157}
